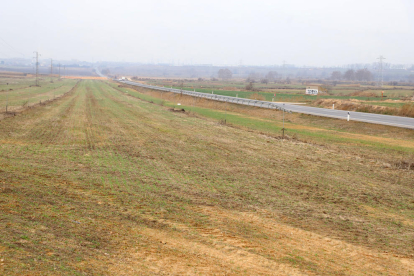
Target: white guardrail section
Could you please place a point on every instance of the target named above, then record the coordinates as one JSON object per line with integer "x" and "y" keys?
{"x": 397, "y": 121}
{"x": 215, "y": 97}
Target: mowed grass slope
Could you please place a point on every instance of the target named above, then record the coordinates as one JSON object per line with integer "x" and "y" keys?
{"x": 25, "y": 93}
{"x": 99, "y": 182}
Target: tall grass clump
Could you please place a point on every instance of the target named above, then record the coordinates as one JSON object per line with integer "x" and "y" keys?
{"x": 407, "y": 110}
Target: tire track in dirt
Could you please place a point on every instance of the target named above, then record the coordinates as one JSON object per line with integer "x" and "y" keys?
{"x": 89, "y": 129}
{"x": 278, "y": 249}
{"x": 37, "y": 122}
{"x": 130, "y": 134}
{"x": 142, "y": 128}
{"x": 210, "y": 253}
{"x": 50, "y": 125}
{"x": 349, "y": 259}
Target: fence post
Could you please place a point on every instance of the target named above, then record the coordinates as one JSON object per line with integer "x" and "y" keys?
{"x": 7, "y": 98}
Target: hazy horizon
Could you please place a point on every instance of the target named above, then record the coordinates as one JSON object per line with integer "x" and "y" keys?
{"x": 317, "y": 33}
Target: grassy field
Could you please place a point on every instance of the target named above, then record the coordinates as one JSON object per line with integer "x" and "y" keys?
{"x": 278, "y": 96}
{"x": 108, "y": 180}
{"x": 8, "y": 82}
{"x": 18, "y": 93}
{"x": 340, "y": 91}
{"x": 315, "y": 129}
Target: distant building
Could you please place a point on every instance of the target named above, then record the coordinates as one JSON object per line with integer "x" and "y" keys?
{"x": 312, "y": 90}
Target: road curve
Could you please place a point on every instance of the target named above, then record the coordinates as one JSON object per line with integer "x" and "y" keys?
{"x": 99, "y": 73}
{"x": 397, "y": 121}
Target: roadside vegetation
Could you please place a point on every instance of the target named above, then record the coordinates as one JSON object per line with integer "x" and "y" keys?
{"x": 110, "y": 180}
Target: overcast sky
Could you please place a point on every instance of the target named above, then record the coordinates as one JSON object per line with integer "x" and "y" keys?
{"x": 259, "y": 32}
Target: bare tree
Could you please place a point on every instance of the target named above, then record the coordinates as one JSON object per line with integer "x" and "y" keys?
{"x": 363, "y": 75}
{"x": 349, "y": 75}
{"x": 288, "y": 81}
{"x": 265, "y": 81}
{"x": 271, "y": 76}
{"x": 336, "y": 75}
{"x": 225, "y": 74}
{"x": 249, "y": 86}
{"x": 253, "y": 77}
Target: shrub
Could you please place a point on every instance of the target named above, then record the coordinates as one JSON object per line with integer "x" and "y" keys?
{"x": 249, "y": 86}
{"x": 407, "y": 110}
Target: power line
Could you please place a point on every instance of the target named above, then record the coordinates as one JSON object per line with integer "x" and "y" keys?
{"x": 11, "y": 47}
{"x": 5, "y": 54}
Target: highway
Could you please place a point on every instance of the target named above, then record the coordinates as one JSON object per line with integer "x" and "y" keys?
{"x": 99, "y": 73}
{"x": 397, "y": 121}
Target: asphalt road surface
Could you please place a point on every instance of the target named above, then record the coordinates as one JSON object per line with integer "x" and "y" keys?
{"x": 397, "y": 121}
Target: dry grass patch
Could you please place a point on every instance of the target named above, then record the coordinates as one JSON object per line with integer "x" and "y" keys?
{"x": 406, "y": 110}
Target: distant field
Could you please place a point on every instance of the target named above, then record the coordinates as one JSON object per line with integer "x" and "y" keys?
{"x": 369, "y": 93}
{"x": 293, "y": 88}
{"x": 281, "y": 96}
{"x": 8, "y": 82}
{"x": 45, "y": 70}
{"x": 84, "y": 78}
{"x": 109, "y": 180}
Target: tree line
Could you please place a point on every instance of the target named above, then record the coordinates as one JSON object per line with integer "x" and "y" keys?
{"x": 352, "y": 75}
{"x": 271, "y": 76}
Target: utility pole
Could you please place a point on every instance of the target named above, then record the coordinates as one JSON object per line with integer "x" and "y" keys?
{"x": 37, "y": 67}
{"x": 51, "y": 70}
{"x": 381, "y": 69}
{"x": 59, "y": 70}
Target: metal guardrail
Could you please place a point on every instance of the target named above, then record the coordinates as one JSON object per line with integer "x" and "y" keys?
{"x": 397, "y": 121}
{"x": 215, "y": 97}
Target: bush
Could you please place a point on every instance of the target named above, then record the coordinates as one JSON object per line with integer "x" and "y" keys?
{"x": 407, "y": 110}
{"x": 249, "y": 86}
